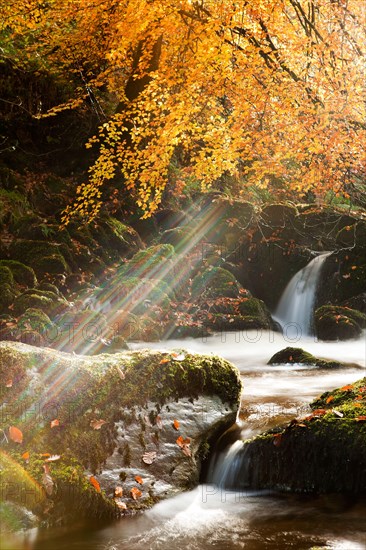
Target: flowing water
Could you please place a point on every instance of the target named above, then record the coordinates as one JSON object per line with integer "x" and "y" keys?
{"x": 211, "y": 516}
{"x": 295, "y": 308}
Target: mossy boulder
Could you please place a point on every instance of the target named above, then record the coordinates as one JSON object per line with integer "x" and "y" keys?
{"x": 6, "y": 276}
{"x": 43, "y": 256}
{"x": 115, "y": 238}
{"x": 35, "y": 319}
{"x": 116, "y": 418}
{"x": 23, "y": 275}
{"x": 7, "y": 297}
{"x": 253, "y": 307}
{"x": 154, "y": 262}
{"x": 215, "y": 282}
{"x": 47, "y": 301}
{"x": 338, "y": 323}
{"x": 325, "y": 452}
{"x": 298, "y": 356}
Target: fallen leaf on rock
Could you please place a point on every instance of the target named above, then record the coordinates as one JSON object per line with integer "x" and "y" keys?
{"x": 135, "y": 493}
{"x": 329, "y": 399}
{"x": 139, "y": 480}
{"x": 25, "y": 456}
{"x": 53, "y": 458}
{"x": 121, "y": 505}
{"x": 176, "y": 424}
{"x": 15, "y": 434}
{"x": 186, "y": 450}
{"x": 149, "y": 457}
{"x": 118, "y": 492}
{"x": 347, "y": 388}
{"x": 159, "y": 422}
{"x": 178, "y": 357}
{"x": 95, "y": 483}
{"x": 55, "y": 423}
{"x": 180, "y": 441}
{"x": 319, "y": 412}
{"x": 9, "y": 384}
{"x": 97, "y": 424}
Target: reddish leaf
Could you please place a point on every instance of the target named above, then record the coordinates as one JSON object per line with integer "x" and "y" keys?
{"x": 9, "y": 383}
{"x": 135, "y": 493}
{"x": 47, "y": 480}
{"x": 360, "y": 418}
{"x": 164, "y": 360}
{"x": 159, "y": 422}
{"x": 15, "y": 434}
{"x": 347, "y": 388}
{"x": 329, "y": 399}
{"x": 176, "y": 424}
{"x": 277, "y": 439}
{"x": 25, "y": 456}
{"x": 139, "y": 480}
{"x": 95, "y": 483}
{"x": 186, "y": 450}
{"x": 55, "y": 423}
{"x": 97, "y": 424}
{"x": 319, "y": 412}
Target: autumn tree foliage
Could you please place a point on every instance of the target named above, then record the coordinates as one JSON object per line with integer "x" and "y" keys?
{"x": 268, "y": 91}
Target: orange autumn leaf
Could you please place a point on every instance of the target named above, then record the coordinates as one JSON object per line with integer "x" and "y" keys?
{"x": 55, "y": 423}
{"x": 9, "y": 383}
{"x": 329, "y": 399}
{"x": 135, "y": 493}
{"x": 361, "y": 418}
{"x": 176, "y": 424}
{"x": 319, "y": 412}
{"x": 25, "y": 456}
{"x": 95, "y": 483}
{"x": 347, "y": 388}
{"x": 45, "y": 454}
{"x": 179, "y": 441}
{"x": 164, "y": 360}
{"x": 139, "y": 480}
{"x": 159, "y": 422}
{"x": 15, "y": 434}
{"x": 97, "y": 424}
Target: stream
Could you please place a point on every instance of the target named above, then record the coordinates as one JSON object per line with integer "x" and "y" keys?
{"x": 212, "y": 516}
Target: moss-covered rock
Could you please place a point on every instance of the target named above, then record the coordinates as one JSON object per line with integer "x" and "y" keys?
{"x": 43, "y": 256}
{"x": 23, "y": 275}
{"x": 35, "y": 319}
{"x": 325, "y": 452}
{"x": 7, "y": 297}
{"x": 6, "y": 276}
{"x": 110, "y": 411}
{"x": 215, "y": 282}
{"x": 47, "y": 301}
{"x": 298, "y": 356}
{"x": 117, "y": 237}
{"x": 152, "y": 263}
{"x": 338, "y": 323}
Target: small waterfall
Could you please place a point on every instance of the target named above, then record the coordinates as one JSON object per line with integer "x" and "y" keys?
{"x": 296, "y": 305}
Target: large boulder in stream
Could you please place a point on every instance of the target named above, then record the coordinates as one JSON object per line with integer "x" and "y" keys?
{"x": 338, "y": 323}
{"x": 86, "y": 437}
{"x": 325, "y": 452}
{"x": 298, "y": 356}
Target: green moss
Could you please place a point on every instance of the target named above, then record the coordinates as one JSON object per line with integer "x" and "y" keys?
{"x": 215, "y": 282}
{"x": 7, "y": 297}
{"x": 291, "y": 355}
{"x": 336, "y": 322}
{"x": 150, "y": 263}
{"x": 36, "y": 319}
{"x": 54, "y": 264}
{"x": 24, "y": 302}
{"x": 6, "y": 276}
{"x": 23, "y": 274}
{"x": 13, "y": 205}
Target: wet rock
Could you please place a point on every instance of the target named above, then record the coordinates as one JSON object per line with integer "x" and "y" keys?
{"x": 298, "y": 356}
{"x": 215, "y": 282}
{"x": 338, "y": 323}
{"x": 113, "y": 417}
{"x": 325, "y": 452}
